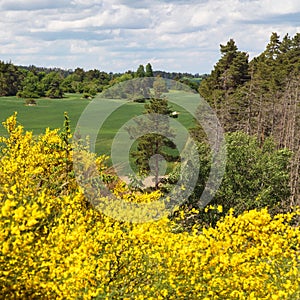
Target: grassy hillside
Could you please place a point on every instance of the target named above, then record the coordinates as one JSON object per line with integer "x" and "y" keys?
{"x": 50, "y": 113}
{"x": 47, "y": 112}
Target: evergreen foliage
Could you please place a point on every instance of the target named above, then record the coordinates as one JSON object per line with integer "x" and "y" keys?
{"x": 152, "y": 145}
{"x": 260, "y": 98}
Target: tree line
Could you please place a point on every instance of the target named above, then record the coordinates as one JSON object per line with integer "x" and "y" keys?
{"x": 35, "y": 82}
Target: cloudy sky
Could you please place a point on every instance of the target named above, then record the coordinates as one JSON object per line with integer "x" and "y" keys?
{"x": 118, "y": 35}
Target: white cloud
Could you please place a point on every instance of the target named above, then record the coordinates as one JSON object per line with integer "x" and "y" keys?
{"x": 115, "y": 17}
{"x": 117, "y": 35}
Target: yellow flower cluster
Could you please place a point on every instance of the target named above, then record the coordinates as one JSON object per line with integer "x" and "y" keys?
{"x": 55, "y": 245}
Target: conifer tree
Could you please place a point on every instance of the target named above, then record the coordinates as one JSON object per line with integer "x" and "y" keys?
{"x": 140, "y": 72}
{"x": 149, "y": 71}
{"x": 151, "y": 147}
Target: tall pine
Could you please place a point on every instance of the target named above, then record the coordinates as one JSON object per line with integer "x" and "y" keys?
{"x": 152, "y": 147}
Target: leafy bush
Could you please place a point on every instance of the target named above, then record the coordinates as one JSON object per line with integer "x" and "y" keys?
{"x": 30, "y": 102}
{"x": 255, "y": 177}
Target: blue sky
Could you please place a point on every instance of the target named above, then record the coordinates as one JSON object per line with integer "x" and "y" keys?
{"x": 118, "y": 35}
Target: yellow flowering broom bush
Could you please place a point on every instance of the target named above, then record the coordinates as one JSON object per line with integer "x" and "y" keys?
{"x": 55, "y": 245}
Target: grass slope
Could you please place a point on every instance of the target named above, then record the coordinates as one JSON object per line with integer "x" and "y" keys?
{"x": 47, "y": 112}
{"x": 50, "y": 113}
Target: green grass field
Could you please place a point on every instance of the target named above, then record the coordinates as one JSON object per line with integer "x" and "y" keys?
{"x": 47, "y": 112}
{"x": 50, "y": 113}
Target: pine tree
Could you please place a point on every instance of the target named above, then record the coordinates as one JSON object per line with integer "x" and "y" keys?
{"x": 149, "y": 71}
{"x": 140, "y": 72}
{"x": 230, "y": 74}
{"x": 273, "y": 48}
{"x": 151, "y": 147}
{"x": 231, "y": 71}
